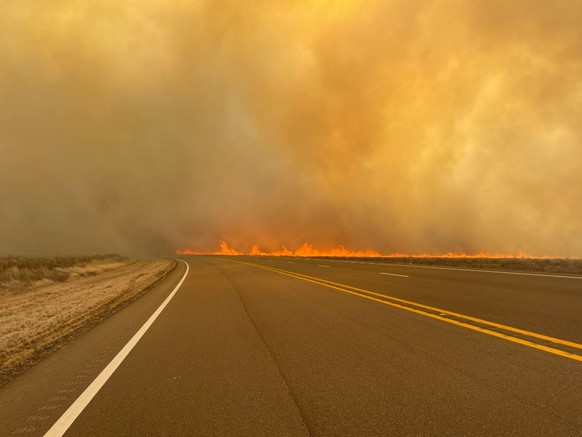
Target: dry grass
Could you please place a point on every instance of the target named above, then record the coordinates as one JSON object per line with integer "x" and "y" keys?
{"x": 38, "y": 313}
{"x": 542, "y": 265}
{"x": 15, "y": 271}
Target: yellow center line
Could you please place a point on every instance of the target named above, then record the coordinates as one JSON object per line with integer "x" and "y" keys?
{"x": 450, "y": 313}
{"x": 392, "y": 301}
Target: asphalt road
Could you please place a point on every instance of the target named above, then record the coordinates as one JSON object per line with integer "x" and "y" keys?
{"x": 280, "y": 346}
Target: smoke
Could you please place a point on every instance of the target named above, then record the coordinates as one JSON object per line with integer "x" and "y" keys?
{"x": 142, "y": 127}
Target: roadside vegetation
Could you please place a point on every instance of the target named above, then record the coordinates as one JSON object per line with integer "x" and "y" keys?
{"x": 18, "y": 271}
{"x": 46, "y": 301}
{"x": 541, "y": 265}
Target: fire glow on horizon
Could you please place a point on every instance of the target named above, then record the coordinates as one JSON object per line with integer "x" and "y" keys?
{"x": 307, "y": 250}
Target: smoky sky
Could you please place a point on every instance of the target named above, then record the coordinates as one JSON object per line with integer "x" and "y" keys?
{"x": 142, "y": 127}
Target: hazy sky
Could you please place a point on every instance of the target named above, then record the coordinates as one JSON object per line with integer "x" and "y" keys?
{"x": 145, "y": 126}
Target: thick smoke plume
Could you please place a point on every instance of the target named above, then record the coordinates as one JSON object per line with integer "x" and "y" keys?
{"x": 147, "y": 126}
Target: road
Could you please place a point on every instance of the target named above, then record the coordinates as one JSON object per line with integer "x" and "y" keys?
{"x": 280, "y": 346}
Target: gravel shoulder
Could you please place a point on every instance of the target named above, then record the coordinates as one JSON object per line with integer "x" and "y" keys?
{"x": 39, "y": 317}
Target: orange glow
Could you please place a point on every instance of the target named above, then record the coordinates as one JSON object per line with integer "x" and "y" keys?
{"x": 307, "y": 250}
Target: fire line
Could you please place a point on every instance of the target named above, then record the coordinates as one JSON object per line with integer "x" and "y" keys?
{"x": 308, "y": 250}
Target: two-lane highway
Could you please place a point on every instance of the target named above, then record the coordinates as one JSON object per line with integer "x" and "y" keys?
{"x": 283, "y": 346}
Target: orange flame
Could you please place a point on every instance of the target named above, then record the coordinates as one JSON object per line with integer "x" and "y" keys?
{"x": 307, "y": 250}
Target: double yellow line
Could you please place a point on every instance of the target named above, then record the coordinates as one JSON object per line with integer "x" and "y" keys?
{"x": 509, "y": 333}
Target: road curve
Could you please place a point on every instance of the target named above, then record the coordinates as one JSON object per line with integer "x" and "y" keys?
{"x": 283, "y": 346}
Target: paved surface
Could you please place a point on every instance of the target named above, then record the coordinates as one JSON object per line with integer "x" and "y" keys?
{"x": 251, "y": 350}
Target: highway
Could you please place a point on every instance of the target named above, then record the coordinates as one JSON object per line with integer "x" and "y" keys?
{"x": 259, "y": 346}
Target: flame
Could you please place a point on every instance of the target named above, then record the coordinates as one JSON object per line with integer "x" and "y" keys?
{"x": 307, "y": 250}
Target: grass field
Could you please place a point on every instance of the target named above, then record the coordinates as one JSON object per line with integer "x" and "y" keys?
{"x": 44, "y": 302}
{"x": 18, "y": 271}
{"x": 542, "y": 265}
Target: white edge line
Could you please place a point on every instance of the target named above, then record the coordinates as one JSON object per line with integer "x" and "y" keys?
{"x": 488, "y": 271}
{"x": 321, "y": 265}
{"x": 66, "y": 420}
{"x": 394, "y": 274}
{"x": 501, "y": 272}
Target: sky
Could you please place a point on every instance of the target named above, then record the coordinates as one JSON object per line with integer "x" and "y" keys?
{"x": 145, "y": 126}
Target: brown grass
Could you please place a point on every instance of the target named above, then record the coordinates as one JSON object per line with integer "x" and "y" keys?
{"x": 22, "y": 271}
{"x": 541, "y": 265}
{"x": 39, "y": 313}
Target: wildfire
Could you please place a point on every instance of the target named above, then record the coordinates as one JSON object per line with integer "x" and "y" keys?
{"x": 307, "y": 250}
